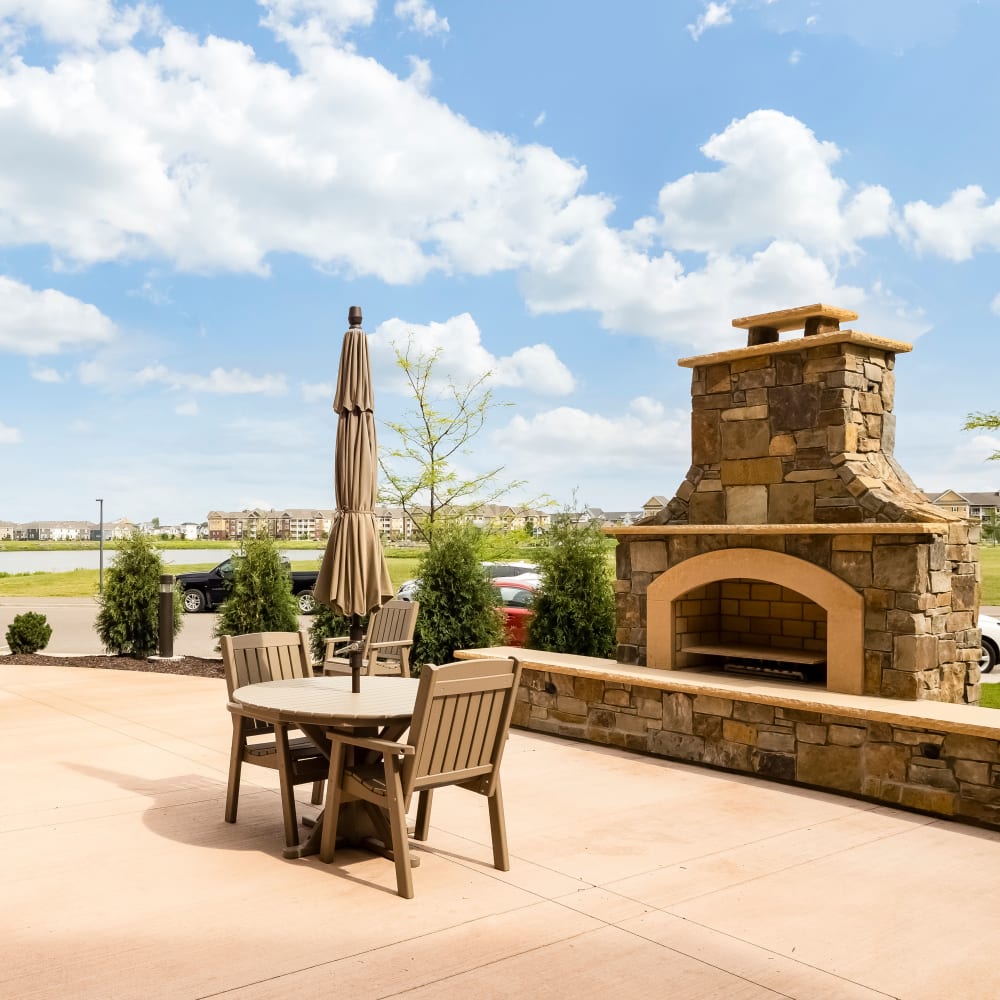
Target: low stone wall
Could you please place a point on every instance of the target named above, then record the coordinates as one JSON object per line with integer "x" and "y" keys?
{"x": 936, "y": 758}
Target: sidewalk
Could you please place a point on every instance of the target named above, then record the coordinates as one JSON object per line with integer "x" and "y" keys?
{"x": 630, "y": 876}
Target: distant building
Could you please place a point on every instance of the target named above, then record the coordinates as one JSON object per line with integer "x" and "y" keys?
{"x": 977, "y": 506}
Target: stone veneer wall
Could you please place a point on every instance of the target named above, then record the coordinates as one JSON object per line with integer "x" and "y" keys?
{"x": 948, "y": 769}
{"x": 920, "y": 590}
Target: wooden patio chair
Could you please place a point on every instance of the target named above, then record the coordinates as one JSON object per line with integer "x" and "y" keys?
{"x": 387, "y": 642}
{"x": 457, "y": 735}
{"x": 270, "y": 656}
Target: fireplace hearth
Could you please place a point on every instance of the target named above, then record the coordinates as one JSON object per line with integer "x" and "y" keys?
{"x": 796, "y": 544}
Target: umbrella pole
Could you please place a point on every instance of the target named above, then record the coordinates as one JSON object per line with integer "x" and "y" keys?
{"x": 355, "y": 656}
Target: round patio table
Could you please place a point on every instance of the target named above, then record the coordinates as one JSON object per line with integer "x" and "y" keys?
{"x": 383, "y": 707}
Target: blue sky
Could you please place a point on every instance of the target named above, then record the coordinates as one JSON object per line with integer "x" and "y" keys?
{"x": 571, "y": 195}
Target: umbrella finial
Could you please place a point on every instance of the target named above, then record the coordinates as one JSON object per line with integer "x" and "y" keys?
{"x": 354, "y": 316}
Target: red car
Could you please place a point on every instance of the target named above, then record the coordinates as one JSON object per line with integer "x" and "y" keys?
{"x": 516, "y": 594}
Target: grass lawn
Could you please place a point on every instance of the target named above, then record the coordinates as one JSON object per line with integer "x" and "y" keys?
{"x": 989, "y": 695}
{"x": 989, "y": 558}
{"x": 83, "y": 582}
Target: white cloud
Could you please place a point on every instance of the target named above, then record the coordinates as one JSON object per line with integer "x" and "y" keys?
{"x": 46, "y": 375}
{"x": 775, "y": 182}
{"x": 316, "y": 21}
{"x": 232, "y": 382}
{"x": 188, "y": 409}
{"x": 47, "y": 322}
{"x": 966, "y": 222}
{"x": 9, "y": 435}
{"x": 85, "y": 23}
{"x": 714, "y": 15}
{"x": 995, "y": 305}
{"x": 794, "y": 57}
{"x": 420, "y": 74}
{"x": 421, "y": 16}
{"x": 464, "y": 358}
{"x": 647, "y": 437}
{"x": 539, "y": 119}
{"x": 312, "y": 392}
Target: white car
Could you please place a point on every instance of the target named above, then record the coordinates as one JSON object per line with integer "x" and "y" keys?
{"x": 990, "y": 627}
{"x": 408, "y": 588}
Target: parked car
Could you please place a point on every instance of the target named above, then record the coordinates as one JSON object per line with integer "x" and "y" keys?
{"x": 990, "y": 627}
{"x": 516, "y": 593}
{"x": 408, "y": 589}
{"x": 206, "y": 590}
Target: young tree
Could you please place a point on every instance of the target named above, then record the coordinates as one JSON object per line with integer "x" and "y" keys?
{"x": 459, "y": 607}
{"x": 985, "y": 422}
{"x": 417, "y": 473}
{"x": 128, "y": 622}
{"x": 575, "y": 606}
{"x": 261, "y": 598}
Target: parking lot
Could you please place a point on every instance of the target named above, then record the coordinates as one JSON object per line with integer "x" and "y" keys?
{"x": 72, "y": 621}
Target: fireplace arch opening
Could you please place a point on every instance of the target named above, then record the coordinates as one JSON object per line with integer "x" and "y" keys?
{"x": 690, "y": 608}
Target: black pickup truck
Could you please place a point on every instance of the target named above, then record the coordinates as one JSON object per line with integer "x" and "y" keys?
{"x": 208, "y": 589}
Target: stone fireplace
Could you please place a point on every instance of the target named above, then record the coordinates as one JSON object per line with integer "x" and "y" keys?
{"x": 796, "y": 545}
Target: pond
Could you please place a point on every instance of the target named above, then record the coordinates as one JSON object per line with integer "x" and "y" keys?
{"x": 65, "y": 560}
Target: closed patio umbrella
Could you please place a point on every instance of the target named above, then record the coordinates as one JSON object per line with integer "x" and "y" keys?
{"x": 353, "y": 577}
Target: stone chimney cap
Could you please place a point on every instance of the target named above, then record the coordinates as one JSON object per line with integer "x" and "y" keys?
{"x": 797, "y": 318}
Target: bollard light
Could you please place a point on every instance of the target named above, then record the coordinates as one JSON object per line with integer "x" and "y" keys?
{"x": 166, "y": 616}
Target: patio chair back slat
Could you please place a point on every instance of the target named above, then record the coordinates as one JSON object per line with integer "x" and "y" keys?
{"x": 458, "y": 722}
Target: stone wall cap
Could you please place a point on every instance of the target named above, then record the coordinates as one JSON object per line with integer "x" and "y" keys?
{"x": 847, "y": 528}
{"x": 799, "y": 344}
{"x": 967, "y": 720}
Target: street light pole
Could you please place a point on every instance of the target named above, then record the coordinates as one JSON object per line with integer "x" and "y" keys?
{"x": 100, "y": 571}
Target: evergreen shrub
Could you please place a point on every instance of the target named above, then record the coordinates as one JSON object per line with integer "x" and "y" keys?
{"x": 575, "y": 605}
{"x": 28, "y": 633}
{"x": 459, "y": 607}
{"x": 128, "y": 622}
{"x": 261, "y": 597}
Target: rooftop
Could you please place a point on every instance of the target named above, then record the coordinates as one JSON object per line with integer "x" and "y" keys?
{"x": 628, "y": 874}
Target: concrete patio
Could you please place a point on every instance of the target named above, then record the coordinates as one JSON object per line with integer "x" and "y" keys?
{"x": 630, "y": 876}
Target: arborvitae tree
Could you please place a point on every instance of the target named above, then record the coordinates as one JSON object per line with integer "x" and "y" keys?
{"x": 459, "y": 607}
{"x": 261, "y": 598}
{"x": 575, "y": 605}
{"x": 128, "y": 622}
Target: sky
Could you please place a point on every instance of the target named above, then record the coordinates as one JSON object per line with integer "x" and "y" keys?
{"x": 570, "y": 195}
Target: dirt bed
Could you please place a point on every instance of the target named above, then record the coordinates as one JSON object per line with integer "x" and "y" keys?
{"x": 190, "y": 666}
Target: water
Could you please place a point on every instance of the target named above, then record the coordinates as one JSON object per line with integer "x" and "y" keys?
{"x": 69, "y": 559}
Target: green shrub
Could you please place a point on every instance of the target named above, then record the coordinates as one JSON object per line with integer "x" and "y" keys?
{"x": 128, "y": 622}
{"x": 261, "y": 597}
{"x": 459, "y": 607}
{"x": 28, "y": 633}
{"x": 575, "y": 605}
{"x": 325, "y": 623}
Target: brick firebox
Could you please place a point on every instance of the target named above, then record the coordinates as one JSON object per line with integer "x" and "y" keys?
{"x": 796, "y": 538}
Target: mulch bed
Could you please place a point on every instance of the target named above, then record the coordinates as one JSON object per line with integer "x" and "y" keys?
{"x": 189, "y": 666}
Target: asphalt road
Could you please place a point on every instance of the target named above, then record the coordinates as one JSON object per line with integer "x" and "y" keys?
{"x": 72, "y": 621}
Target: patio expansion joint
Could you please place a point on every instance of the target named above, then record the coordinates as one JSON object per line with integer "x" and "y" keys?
{"x": 929, "y": 821}
{"x": 237, "y": 990}
{"x": 758, "y": 947}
